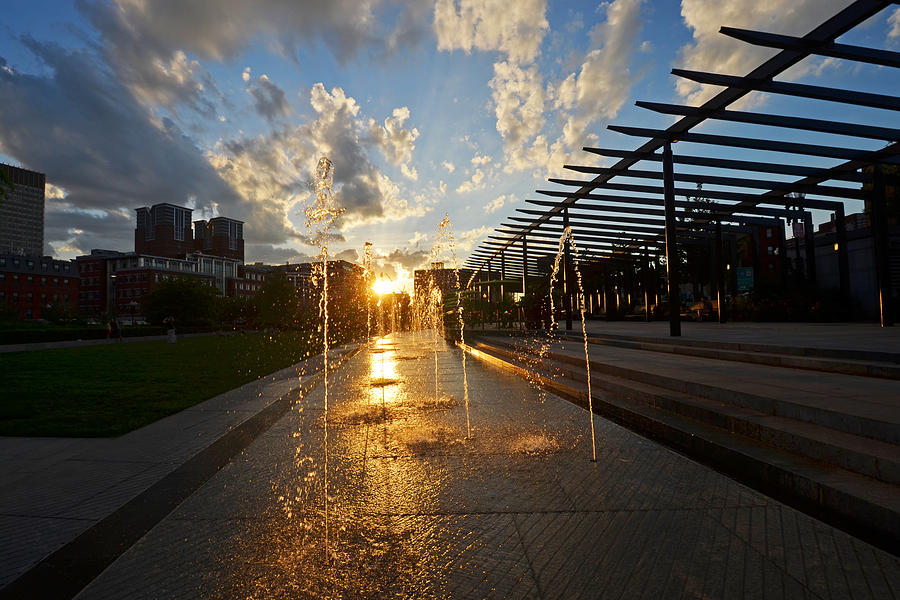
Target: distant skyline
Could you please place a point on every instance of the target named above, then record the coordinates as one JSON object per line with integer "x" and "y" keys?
{"x": 455, "y": 106}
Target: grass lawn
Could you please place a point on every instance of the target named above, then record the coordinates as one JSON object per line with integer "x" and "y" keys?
{"x": 108, "y": 390}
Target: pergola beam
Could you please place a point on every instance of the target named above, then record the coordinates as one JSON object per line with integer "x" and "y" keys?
{"x": 737, "y": 165}
{"x": 754, "y": 144}
{"x": 761, "y": 184}
{"x": 801, "y": 90}
{"x": 887, "y": 134}
{"x": 873, "y": 56}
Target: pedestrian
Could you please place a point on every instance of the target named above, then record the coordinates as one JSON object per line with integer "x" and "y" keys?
{"x": 108, "y": 330}
{"x": 116, "y": 330}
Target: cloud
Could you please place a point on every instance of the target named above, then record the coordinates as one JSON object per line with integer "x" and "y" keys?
{"x": 518, "y": 97}
{"x": 894, "y": 22}
{"x": 449, "y": 166}
{"x": 100, "y": 145}
{"x": 269, "y": 100}
{"x": 496, "y": 204}
{"x": 515, "y": 29}
{"x": 395, "y": 142}
{"x": 273, "y": 170}
{"x": 481, "y": 160}
{"x": 711, "y": 51}
{"x": 603, "y": 84}
{"x": 596, "y": 91}
{"x": 477, "y": 182}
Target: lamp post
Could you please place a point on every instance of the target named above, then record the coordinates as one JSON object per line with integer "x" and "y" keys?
{"x": 112, "y": 300}
{"x": 132, "y": 306}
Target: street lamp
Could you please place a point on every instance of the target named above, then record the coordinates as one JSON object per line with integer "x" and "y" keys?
{"x": 132, "y": 306}
{"x": 111, "y": 305}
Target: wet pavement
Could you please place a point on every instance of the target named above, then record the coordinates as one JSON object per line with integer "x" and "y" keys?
{"x": 416, "y": 510}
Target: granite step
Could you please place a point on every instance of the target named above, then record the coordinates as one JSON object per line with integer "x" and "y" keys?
{"x": 847, "y": 480}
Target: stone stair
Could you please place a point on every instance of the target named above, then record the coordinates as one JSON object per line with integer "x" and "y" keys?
{"x": 839, "y": 466}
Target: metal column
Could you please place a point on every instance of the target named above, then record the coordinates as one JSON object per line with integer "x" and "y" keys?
{"x": 671, "y": 243}
{"x": 720, "y": 273}
{"x": 502, "y": 288}
{"x": 809, "y": 241}
{"x": 567, "y": 275}
{"x": 840, "y": 224}
{"x": 881, "y": 245}
{"x": 524, "y": 281}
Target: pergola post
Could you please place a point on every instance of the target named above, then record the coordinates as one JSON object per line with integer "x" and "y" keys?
{"x": 646, "y": 279}
{"x": 566, "y": 279}
{"x": 809, "y": 241}
{"x": 840, "y": 224}
{"x": 720, "y": 273}
{"x": 502, "y": 289}
{"x": 671, "y": 243}
{"x": 880, "y": 245}
{"x": 524, "y": 281}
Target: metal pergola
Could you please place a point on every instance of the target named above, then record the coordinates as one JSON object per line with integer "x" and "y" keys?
{"x": 638, "y": 214}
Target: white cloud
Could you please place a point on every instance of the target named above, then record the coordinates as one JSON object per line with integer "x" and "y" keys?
{"x": 245, "y": 75}
{"x": 466, "y": 240}
{"x": 496, "y": 204}
{"x": 475, "y": 183}
{"x": 518, "y": 97}
{"x": 480, "y": 160}
{"x": 271, "y": 171}
{"x": 53, "y": 192}
{"x": 514, "y": 28}
{"x": 395, "y": 142}
{"x": 894, "y": 22}
{"x": 449, "y": 166}
{"x": 711, "y": 51}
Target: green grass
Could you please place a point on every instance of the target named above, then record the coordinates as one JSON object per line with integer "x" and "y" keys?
{"x": 108, "y": 390}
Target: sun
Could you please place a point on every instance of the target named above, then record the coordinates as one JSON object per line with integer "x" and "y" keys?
{"x": 383, "y": 286}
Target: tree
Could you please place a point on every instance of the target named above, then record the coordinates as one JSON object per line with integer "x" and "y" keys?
{"x": 189, "y": 300}
{"x": 276, "y": 303}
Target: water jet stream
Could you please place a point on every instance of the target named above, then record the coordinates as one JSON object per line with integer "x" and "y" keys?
{"x": 320, "y": 217}
{"x": 567, "y": 236}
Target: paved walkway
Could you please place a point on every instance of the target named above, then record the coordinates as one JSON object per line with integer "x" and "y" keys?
{"x": 55, "y": 489}
{"x": 414, "y": 509}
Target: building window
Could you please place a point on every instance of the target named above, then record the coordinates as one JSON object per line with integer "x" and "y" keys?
{"x": 44, "y": 280}
{"x": 769, "y": 232}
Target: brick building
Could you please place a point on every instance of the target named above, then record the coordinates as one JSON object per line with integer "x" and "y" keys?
{"x": 220, "y": 236}
{"x": 29, "y": 285}
{"x": 164, "y": 230}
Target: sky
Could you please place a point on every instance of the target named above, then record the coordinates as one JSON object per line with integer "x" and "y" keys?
{"x": 425, "y": 108}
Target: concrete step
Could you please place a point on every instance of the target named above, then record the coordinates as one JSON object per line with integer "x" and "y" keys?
{"x": 690, "y": 381}
{"x": 872, "y": 458}
{"x": 848, "y": 362}
{"x": 753, "y": 452}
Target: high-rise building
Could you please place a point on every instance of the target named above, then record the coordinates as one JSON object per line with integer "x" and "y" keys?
{"x": 22, "y": 212}
{"x": 164, "y": 230}
{"x": 220, "y": 236}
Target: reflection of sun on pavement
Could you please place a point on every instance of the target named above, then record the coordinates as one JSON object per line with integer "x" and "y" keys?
{"x": 383, "y": 378}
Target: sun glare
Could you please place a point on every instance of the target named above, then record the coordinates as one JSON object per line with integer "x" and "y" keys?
{"x": 383, "y": 286}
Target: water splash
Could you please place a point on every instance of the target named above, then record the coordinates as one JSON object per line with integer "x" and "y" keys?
{"x": 320, "y": 218}
{"x": 368, "y": 274}
{"x": 567, "y": 236}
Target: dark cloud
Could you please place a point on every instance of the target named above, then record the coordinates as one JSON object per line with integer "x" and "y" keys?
{"x": 220, "y": 29}
{"x": 269, "y": 100}
{"x": 409, "y": 259}
{"x": 83, "y": 128}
